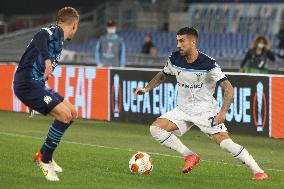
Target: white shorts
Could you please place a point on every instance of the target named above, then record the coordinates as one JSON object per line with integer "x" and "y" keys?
{"x": 202, "y": 120}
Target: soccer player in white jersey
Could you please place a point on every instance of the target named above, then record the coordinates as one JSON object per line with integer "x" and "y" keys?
{"x": 197, "y": 76}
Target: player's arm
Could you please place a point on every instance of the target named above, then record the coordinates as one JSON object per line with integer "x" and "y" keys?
{"x": 48, "y": 69}
{"x": 40, "y": 41}
{"x": 227, "y": 100}
{"x": 158, "y": 79}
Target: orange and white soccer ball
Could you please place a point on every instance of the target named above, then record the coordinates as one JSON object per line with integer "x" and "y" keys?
{"x": 141, "y": 163}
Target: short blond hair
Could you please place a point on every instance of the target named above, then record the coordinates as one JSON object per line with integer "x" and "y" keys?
{"x": 67, "y": 15}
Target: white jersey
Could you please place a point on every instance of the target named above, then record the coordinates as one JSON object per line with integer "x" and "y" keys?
{"x": 196, "y": 81}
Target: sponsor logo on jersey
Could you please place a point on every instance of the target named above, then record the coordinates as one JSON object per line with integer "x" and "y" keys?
{"x": 191, "y": 86}
{"x": 47, "y": 99}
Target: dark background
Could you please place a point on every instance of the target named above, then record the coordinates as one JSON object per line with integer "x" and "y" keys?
{"x": 10, "y": 7}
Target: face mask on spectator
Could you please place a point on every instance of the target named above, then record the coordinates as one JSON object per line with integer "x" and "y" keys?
{"x": 111, "y": 30}
{"x": 260, "y": 45}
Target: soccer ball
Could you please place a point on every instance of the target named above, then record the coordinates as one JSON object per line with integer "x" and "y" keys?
{"x": 141, "y": 163}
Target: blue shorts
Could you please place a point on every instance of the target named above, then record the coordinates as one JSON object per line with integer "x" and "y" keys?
{"x": 37, "y": 96}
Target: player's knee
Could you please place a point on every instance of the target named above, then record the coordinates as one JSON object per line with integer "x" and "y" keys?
{"x": 73, "y": 112}
{"x": 158, "y": 133}
{"x": 69, "y": 117}
{"x": 225, "y": 144}
{"x": 219, "y": 137}
{"x": 66, "y": 117}
{"x": 153, "y": 130}
{"x": 164, "y": 124}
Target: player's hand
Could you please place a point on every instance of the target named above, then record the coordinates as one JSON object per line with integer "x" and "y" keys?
{"x": 220, "y": 118}
{"x": 48, "y": 69}
{"x": 241, "y": 70}
{"x": 140, "y": 91}
{"x": 31, "y": 112}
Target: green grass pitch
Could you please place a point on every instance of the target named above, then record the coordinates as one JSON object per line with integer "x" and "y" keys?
{"x": 95, "y": 154}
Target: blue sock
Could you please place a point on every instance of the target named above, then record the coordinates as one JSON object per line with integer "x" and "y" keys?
{"x": 52, "y": 140}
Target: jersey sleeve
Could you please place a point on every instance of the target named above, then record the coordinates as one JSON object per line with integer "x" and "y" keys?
{"x": 217, "y": 75}
{"x": 168, "y": 68}
{"x": 40, "y": 42}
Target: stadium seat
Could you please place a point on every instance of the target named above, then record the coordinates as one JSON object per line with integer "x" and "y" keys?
{"x": 215, "y": 44}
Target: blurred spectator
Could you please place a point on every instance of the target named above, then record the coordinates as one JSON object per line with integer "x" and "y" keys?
{"x": 256, "y": 58}
{"x": 153, "y": 51}
{"x": 280, "y": 36}
{"x": 148, "y": 47}
{"x": 110, "y": 48}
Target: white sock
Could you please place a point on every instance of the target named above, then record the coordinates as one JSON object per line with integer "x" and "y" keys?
{"x": 170, "y": 140}
{"x": 241, "y": 154}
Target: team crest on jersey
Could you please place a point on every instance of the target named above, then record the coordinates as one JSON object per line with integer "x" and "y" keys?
{"x": 198, "y": 76}
{"x": 47, "y": 99}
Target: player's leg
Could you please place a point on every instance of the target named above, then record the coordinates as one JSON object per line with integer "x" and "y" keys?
{"x": 61, "y": 113}
{"x": 63, "y": 119}
{"x": 240, "y": 153}
{"x": 36, "y": 96}
{"x": 220, "y": 135}
{"x": 64, "y": 113}
{"x": 44, "y": 157}
{"x": 71, "y": 107}
{"x": 73, "y": 111}
{"x": 162, "y": 130}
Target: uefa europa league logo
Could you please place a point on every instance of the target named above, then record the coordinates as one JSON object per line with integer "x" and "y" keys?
{"x": 259, "y": 91}
{"x": 259, "y": 107}
{"x": 116, "y": 95}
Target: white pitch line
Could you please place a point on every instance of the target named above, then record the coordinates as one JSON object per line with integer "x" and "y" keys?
{"x": 130, "y": 150}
